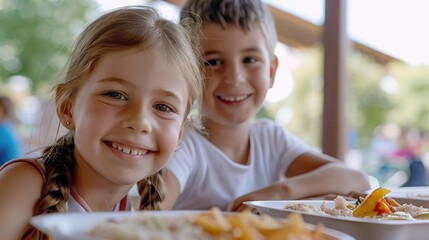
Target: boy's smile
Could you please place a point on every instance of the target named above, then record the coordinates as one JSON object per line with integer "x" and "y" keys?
{"x": 239, "y": 71}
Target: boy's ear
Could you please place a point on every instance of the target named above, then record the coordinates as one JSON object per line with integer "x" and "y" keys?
{"x": 64, "y": 108}
{"x": 182, "y": 130}
{"x": 273, "y": 70}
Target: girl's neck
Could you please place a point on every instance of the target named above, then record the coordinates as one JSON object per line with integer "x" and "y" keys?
{"x": 99, "y": 198}
{"x": 231, "y": 140}
{"x": 97, "y": 192}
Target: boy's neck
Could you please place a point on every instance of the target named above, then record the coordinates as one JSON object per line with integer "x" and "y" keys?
{"x": 231, "y": 140}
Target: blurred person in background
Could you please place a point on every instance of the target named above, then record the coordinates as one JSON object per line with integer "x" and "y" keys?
{"x": 409, "y": 150}
{"x": 10, "y": 142}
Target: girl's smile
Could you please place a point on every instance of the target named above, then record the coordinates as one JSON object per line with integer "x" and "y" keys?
{"x": 128, "y": 115}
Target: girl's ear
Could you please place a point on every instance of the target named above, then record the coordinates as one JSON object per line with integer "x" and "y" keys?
{"x": 64, "y": 108}
{"x": 273, "y": 70}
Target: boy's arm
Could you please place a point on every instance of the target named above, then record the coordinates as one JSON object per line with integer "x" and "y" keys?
{"x": 311, "y": 174}
{"x": 173, "y": 190}
{"x": 331, "y": 175}
{"x": 20, "y": 189}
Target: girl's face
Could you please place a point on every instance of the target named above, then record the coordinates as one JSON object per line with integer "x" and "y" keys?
{"x": 239, "y": 71}
{"x": 128, "y": 115}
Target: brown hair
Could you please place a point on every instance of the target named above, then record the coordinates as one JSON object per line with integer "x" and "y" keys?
{"x": 245, "y": 14}
{"x": 8, "y": 109}
{"x": 119, "y": 30}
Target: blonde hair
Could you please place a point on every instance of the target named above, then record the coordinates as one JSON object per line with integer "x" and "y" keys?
{"x": 119, "y": 30}
{"x": 245, "y": 14}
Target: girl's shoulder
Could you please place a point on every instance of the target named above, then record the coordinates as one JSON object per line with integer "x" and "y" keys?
{"x": 24, "y": 170}
{"x": 21, "y": 183}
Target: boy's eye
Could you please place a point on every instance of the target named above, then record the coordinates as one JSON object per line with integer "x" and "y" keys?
{"x": 116, "y": 95}
{"x": 163, "y": 108}
{"x": 213, "y": 62}
{"x": 249, "y": 60}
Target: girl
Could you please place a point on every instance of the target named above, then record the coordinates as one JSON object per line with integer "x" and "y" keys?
{"x": 131, "y": 80}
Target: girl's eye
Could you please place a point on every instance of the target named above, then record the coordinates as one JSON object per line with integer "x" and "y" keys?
{"x": 163, "y": 108}
{"x": 116, "y": 95}
{"x": 249, "y": 60}
{"x": 213, "y": 62}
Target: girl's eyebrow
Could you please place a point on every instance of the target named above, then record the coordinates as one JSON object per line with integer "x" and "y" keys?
{"x": 161, "y": 92}
{"x": 114, "y": 79}
{"x": 169, "y": 94}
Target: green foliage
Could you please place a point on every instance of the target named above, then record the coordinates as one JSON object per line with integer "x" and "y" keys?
{"x": 35, "y": 36}
{"x": 411, "y": 102}
{"x": 367, "y": 106}
{"x": 307, "y": 99}
{"x": 367, "y": 103}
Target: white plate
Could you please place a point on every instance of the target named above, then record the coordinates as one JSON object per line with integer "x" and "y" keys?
{"x": 74, "y": 226}
{"x": 410, "y": 192}
{"x": 360, "y": 228}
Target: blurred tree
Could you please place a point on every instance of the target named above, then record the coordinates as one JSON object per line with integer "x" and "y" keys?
{"x": 411, "y": 101}
{"x": 35, "y": 36}
{"x": 369, "y": 103}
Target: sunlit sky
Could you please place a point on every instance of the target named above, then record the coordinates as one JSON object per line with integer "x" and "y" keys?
{"x": 396, "y": 27}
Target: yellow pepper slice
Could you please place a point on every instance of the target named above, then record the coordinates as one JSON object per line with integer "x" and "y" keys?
{"x": 368, "y": 207}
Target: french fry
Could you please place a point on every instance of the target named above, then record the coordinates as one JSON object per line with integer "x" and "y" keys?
{"x": 245, "y": 226}
{"x": 248, "y": 226}
{"x": 292, "y": 229}
{"x": 213, "y": 222}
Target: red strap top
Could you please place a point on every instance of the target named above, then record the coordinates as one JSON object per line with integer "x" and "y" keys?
{"x": 29, "y": 235}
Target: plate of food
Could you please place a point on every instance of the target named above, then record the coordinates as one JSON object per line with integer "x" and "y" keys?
{"x": 374, "y": 217}
{"x": 177, "y": 225}
{"x": 410, "y": 193}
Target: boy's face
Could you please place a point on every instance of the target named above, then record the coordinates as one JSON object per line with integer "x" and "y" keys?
{"x": 239, "y": 71}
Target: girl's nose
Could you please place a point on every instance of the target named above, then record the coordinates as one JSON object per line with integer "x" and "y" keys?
{"x": 138, "y": 122}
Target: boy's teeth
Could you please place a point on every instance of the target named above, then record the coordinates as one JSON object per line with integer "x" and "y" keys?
{"x": 233, "y": 99}
{"x": 128, "y": 150}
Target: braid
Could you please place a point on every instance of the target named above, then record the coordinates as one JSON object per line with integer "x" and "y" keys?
{"x": 152, "y": 191}
{"x": 58, "y": 161}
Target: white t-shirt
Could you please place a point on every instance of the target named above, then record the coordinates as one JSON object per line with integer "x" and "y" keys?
{"x": 208, "y": 178}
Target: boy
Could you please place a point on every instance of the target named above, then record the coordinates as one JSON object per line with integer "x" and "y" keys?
{"x": 237, "y": 159}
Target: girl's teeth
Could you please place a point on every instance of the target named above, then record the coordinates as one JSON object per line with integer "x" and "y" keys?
{"x": 127, "y": 150}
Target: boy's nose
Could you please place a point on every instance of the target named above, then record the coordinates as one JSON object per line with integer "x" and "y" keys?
{"x": 235, "y": 76}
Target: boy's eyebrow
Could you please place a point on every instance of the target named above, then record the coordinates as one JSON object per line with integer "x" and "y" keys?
{"x": 250, "y": 49}
{"x": 253, "y": 49}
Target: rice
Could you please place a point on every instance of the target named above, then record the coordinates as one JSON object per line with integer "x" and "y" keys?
{"x": 149, "y": 228}
{"x": 341, "y": 209}
{"x": 411, "y": 209}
